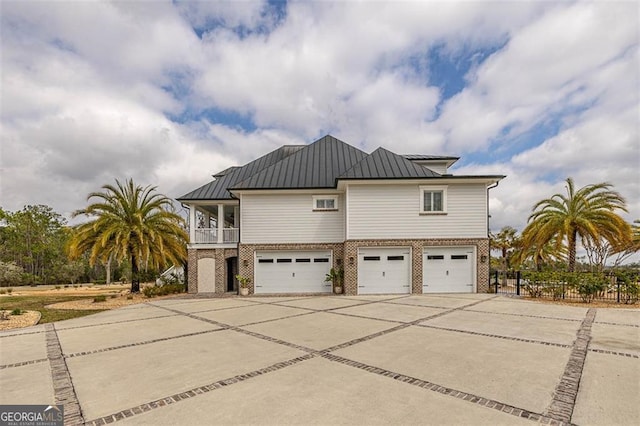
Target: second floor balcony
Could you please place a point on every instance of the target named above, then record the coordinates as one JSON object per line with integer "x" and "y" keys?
{"x": 212, "y": 236}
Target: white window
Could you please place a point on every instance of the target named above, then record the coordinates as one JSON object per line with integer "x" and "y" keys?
{"x": 433, "y": 199}
{"x": 325, "y": 202}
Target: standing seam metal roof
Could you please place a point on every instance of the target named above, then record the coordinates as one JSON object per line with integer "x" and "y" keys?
{"x": 384, "y": 164}
{"x": 218, "y": 189}
{"x": 317, "y": 165}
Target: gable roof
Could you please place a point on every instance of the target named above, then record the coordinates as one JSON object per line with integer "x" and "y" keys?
{"x": 317, "y": 165}
{"x": 218, "y": 188}
{"x": 384, "y": 164}
{"x": 320, "y": 164}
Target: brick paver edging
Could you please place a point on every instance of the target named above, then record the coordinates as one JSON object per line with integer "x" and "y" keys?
{"x": 607, "y": 352}
{"x": 63, "y": 390}
{"x": 616, "y": 323}
{"x": 474, "y": 399}
{"x": 524, "y": 315}
{"x": 146, "y": 342}
{"x": 143, "y": 408}
{"x": 20, "y": 364}
{"x": 564, "y": 397}
{"x": 496, "y": 336}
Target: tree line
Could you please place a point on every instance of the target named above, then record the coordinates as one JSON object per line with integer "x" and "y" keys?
{"x": 588, "y": 216}
{"x": 131, "y": 232}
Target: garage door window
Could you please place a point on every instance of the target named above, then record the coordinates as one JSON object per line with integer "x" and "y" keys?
{"x": 320, "y": 260}
{"x": 370, "y": 258}
{"x": 458, "y": 256}
{"x": 435, "y": 257}
{"x": 303, "y": 260}
{"x": 395, "y": 257}
{"x": 265, "y": 260}
{"x": 283, "y": 260}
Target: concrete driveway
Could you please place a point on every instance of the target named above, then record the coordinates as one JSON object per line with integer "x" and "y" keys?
{"x": 440, "y": 359}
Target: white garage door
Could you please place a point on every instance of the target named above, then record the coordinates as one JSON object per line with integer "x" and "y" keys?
{"x": 448, "y": 270}
{"x": 384, "y": 270}
{"x": 292, "y": 272}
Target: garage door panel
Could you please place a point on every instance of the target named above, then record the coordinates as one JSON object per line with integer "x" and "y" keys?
{"x": 384, "y": 270}
{"x": 448, "y": 270}
{"x": 292, "y": 272}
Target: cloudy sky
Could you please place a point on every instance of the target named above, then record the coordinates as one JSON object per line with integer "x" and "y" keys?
{"x": 170, "y": 92}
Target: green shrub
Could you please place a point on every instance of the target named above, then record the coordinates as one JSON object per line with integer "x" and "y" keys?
{"x": 130, "y": 297}
{"x": 3, "y": 291}
{"x": 152, "y": 291}
{"x": 9, "y": 290}
{"x": 17, "y": 311}
{"x": 113, "y": 296}
{"x": 101, "y": 298}
{"x": 58, "y": 287}
{"x": 589, "y": 285}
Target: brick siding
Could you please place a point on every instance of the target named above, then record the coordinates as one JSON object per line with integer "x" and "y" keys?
{"x": 345, "y": 255}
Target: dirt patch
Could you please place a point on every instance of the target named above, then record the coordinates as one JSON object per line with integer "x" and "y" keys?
{"x": 124, "y": 299}
{"x": 26, "y": 319}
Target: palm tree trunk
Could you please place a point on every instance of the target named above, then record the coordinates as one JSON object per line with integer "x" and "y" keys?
{"x": 135, "y": 280}
{"x": 573, "y": 234}
{"x": 109, "y": 270}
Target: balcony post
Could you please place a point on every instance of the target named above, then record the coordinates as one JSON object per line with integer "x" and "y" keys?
{"x": 236, "y": 216}
{"x": 192, "y": 224}
{"x": 220, "y": 223}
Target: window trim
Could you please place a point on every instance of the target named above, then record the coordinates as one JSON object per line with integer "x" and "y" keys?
{"x": 433, "y": 188}
{"x": 316, "y": 198}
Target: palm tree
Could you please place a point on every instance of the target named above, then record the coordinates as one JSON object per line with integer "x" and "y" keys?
{"x": 588, "y": 213}
{"x": 506, "y": 241}
{"x": 130, "y": 222}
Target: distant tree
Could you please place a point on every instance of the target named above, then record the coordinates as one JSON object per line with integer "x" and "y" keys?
{"x": 10, "y": 274}
{"x": 588, "y": 213}
{"x": 133, "y": 223}
{"x": 34, "y": 239}
{"x": 506, "y": 241}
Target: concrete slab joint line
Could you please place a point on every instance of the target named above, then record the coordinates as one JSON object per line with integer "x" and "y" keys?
{"x": 63, "y": 390}
{"x": 564, "y": 397}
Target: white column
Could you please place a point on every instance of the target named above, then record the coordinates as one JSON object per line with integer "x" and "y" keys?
{"x": 236, "y": 216}
{"x": 220, "y": 223}
{"x": 192, "y": 224}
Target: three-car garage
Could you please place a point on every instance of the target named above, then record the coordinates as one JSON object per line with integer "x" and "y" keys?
{"x": 380, "y": 270}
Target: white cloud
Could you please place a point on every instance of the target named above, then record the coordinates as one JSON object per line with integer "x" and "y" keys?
{"x": 87, "y": 89}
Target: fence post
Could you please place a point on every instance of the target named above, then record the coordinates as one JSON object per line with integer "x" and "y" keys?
{"x": 618, "y": 289}
{"x": 496, "y": 281}
{"x": 518, "y": 283}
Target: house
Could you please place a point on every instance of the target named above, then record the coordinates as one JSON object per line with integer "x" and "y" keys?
{"x": 395, "y": 223}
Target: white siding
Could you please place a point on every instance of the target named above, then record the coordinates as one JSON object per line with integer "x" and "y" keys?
{"x": 440, "y": 168}
{"x": 289, "y": 218}
{"x": 393, "y": 211}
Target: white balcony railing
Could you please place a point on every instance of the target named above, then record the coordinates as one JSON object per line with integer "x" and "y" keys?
{"x": 210, "y": 235}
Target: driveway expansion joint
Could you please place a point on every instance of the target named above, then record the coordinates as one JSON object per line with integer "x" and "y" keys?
{"x": 63, "y": 390}
{"x": 564, "y": 397}
{"x": 22, "y": 363}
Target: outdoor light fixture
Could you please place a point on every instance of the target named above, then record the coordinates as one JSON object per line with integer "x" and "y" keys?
{"x": 245, "y": 262}
{"x": 483, "y": 258}
{"x": 350, "y": 260}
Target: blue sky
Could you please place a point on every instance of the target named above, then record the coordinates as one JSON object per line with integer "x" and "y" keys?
{"x": 169, "y": 92}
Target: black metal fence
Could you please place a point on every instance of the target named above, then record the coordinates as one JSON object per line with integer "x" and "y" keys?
{"x": 578, "y": 286}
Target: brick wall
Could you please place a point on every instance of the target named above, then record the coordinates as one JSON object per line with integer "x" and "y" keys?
{"x": 247, "y": 252}
{"x": 343, "y": 255}
{"x": 220, "y": 255}
{"x": 417, "y": 247}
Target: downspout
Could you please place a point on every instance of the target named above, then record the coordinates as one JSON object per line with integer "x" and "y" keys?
{"x": 488, "y": 230}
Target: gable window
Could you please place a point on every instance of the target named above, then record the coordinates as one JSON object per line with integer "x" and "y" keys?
{"x": 325, "y": 202}
{"x": 433, "y": 199}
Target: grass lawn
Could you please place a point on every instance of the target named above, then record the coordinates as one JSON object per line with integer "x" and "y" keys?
{"x": 38, "y": 302}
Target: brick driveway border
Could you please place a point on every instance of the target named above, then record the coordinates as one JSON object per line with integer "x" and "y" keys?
{"x": 429, "y": 359}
